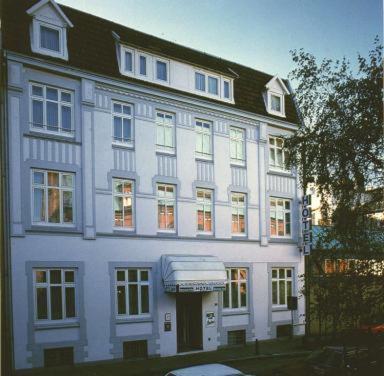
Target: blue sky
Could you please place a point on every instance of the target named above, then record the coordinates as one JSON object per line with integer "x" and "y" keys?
{"x": 256, "y": 33}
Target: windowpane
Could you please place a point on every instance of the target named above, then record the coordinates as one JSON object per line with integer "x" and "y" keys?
{"x": 226, "y": 89}
{"x": 66, "y": 118}
{"x": 53, "y": 179}
{"x": 121, "y": 302}
{"x": 160, "y": 135}
{"x": 52, "y": 94}
{"x": 39, "y": 205}
{"x": 56, "y": 303}
{"x": 127, "y": 129}
{"x": 144, "y": 299}
{"x": 67, "y": 180}
{"x": 49, "y": 38}
{"x": 234, "y": 295}
{"x": 282, "y": 292}
{"x": 289, "y": 288}
{"x": 144, "y": 275}
{"x": 170, "y": 217}
{"x": 66, "y": 97}
{"x": 37, "y": 113}
{"x": 41, "y": 302}
{"x": 120, "y": 275}
{"x": 132, "y": 275}
{"x": 117, "y": 128}
{"x": 200, "y": 218}
{"x": 53, "y": 205}
{"x": 243, "y": 294}
{"x": 70, "y": 302}
{"x": 161, "y": 215}
{"x": 168, "y": 137}
{"x": 128, "y": 222}
{"x": 55, "y": 276}
{"x": 234, "y": 274}
{"x": 69, "y": 276}
{"x": 161, "y": 70}
{"x": 67, "y": 207}
{"x": 143, "y": 65}
{"x": 37, "y": 91}
{"x": 127, "y": 187}
{"x": 41, "y": 276}
{"x": 118, "y": 186}
{"x": 275, "y": 103}
{"x": 274, "y": 292}
{"x": 118, "y": 210}
{"x": 52, "y": 115}
{"x": 208, "y": 220}
{"x": 128, "y": 61}
{"x": 133, "y": 300}
{"x": 226, "y": 297}
{"x": 212, "y": 85}
{"x": 199, "y": 81}
{"x": 117, "y": 107}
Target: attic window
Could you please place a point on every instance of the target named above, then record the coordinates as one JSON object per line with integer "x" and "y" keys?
{"x": 276, "y": 102}
{"x": 49, "y": 38}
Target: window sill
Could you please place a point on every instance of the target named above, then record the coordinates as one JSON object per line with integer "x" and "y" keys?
{"x": 235, "y": 312}
{"x": 238, "y": 164}
{"x": 122, "y": 145}
{"x": 282, "y": 239}
{"x": 54, "y": 228}
{"x": 280, "y": 309}
{"x": 277, "y": 171}
{"x": 56, "y": 325}
{"x": 239, "y": 236}
{"x": 276, "y": 113}
{"x": 124, "y": 231}
{"x": 203, "y": 159}
{"x": 166, "y": 233}
{"x": 165, "y": 152}
{"x": 128, "y": 320}
{"x": 51, "y": 135}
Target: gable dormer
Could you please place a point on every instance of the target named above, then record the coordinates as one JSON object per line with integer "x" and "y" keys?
{"x": 48, "y": 29}
{"x": 275, "y": 96}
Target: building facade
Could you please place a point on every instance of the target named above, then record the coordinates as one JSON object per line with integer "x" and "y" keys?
{"x": 150, "y": 210}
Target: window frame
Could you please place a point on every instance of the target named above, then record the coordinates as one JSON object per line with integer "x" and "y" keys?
{"x": 124, "y": 195}
{"x": 52, "y": 27}
{"x": 237, "y": 161}
{"x": 239, "y": 281}
{"x": 200, "y": 131}
{"x": 44, "y": 128}
{"x": 277, "y": 280}
{"x": 126, "y": 283}
{"x": 173, "y": 201}
{"x": 207, "y": 76}
{"x": 276, "y": 199}
{"x": 46, "y": 187}
{"x": 47, "y": 285}
{"x": 275, "y": 148}
{"x": 128, "y": 143}
{"x": 282, "y": 103}
{"x": 229, "y": 89}
{"x": 167, "y": 64}
{"x": 238, "y": 206}
{"x": 123, "y": 50}
{"x": 147, "y": 58}
{"x": 171, "y": 150}
{"x": 205, "y": 203}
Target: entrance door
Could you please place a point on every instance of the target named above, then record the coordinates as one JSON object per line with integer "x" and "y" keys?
{"x": 189, "y": 322}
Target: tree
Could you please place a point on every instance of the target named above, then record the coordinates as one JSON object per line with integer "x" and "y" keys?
{"x": 339, "y": 147}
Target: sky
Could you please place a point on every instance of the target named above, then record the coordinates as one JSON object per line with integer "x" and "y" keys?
{"x": 255, "y": 33}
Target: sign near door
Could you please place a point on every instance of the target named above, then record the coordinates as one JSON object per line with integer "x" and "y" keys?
{"x": 210, "y": 319}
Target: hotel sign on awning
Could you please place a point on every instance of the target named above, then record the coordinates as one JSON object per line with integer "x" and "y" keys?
{"x": 306, "y": 224}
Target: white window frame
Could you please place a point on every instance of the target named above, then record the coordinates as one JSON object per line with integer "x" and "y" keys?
{"x": 60, "y": 104}
{"x": 126, "y": 284}
{"x": 123, "y": 50}
{"x": 217, "y": 78}
{"x": 275, "y": 148}
{"x": 45, "y": 186}
{"x": 236, "y": 161}
{"x": 167, "y": 63}
{"x": 201, "y": 131}
{"x": 124, "y": 195}
{"x": 206, "y": 84}
{"x": 36, "y": 39}
{"x": 164, "y": 148}
{"x": 148, "y": 65}
{"x": 205, "y": 202}
{"x": 237, "y": 205}
{"x": 129, "y": 143}
{"x": 229, "y": 98}
{"x": 284, "y": 211}
{"x": 282, "y": 103}
{"x": 277, "y": 280}
{"x": 239, "y": 281}
{"x": 168, "y": 203}
{"x": 47, "y": 285}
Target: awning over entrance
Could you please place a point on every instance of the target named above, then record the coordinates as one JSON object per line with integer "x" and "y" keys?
{"x": 184, "y": 273}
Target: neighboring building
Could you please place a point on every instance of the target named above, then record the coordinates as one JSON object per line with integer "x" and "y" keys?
{"x": 151, "y": 213}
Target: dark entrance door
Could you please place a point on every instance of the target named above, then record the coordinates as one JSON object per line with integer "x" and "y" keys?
{"x": 189, "y": 322}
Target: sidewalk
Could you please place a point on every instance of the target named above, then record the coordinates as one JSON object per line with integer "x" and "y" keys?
{"x": 276, "y": 348}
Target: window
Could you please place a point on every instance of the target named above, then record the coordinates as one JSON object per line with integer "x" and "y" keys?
{"x": 281, "y": 286}
{"x": 55, "y": 294}
{"x": 226, "y": 90}
{"x": 49, "y": 38}
{"x": 238, "y": 213}
{"x": 204, "y": 210}
{"x": 135, "y": 349}
{"x": 199, "y": 81}
{"x": 213, "y": 85}
{"x": 236, "y": 337}
{"x": 165, "y": 131}
{"x": 235, "y": 294}
{"x": 52, "y": 197}
{"x": 203, "y": 139}
{"x": 161, "y": 70}
{"x": 123, "y": 203}
{"x": 143, "y": 65}
{"x": 128, "y": 61}
{"x": 51, "y": 109}
{"x": 58, "y": 356}
{"x": 122, "y": 123}
{"x": 280, "y": 217}
{"x": 166, "y": 207}
{"x": 132, "y": 292}
{"x": 237, "y": 145}
{"x": 277, "y": 156}
{"x": 329, "y": 266}
{"x": 276, "y": 103}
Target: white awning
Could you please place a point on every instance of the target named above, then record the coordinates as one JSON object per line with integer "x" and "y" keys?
{"x": 185, "y": 273}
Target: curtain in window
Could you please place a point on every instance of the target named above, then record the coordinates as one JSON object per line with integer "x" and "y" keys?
{"x": 50, "y": 38}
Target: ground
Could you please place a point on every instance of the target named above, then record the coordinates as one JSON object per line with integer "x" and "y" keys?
{"x": 276, "y": 356}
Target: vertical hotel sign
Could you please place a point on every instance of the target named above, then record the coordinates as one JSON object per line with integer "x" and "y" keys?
{"x": 306, "y": 224}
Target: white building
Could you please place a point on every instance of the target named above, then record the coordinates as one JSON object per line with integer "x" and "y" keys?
{"x": 150, "y": 211}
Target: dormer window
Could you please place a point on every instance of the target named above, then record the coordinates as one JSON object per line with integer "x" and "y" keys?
{"x": 49, "y": 29}
{"x": 275, "y": 96}
{"x": 161, "y": 70}
{"x": 213, "y": 85}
